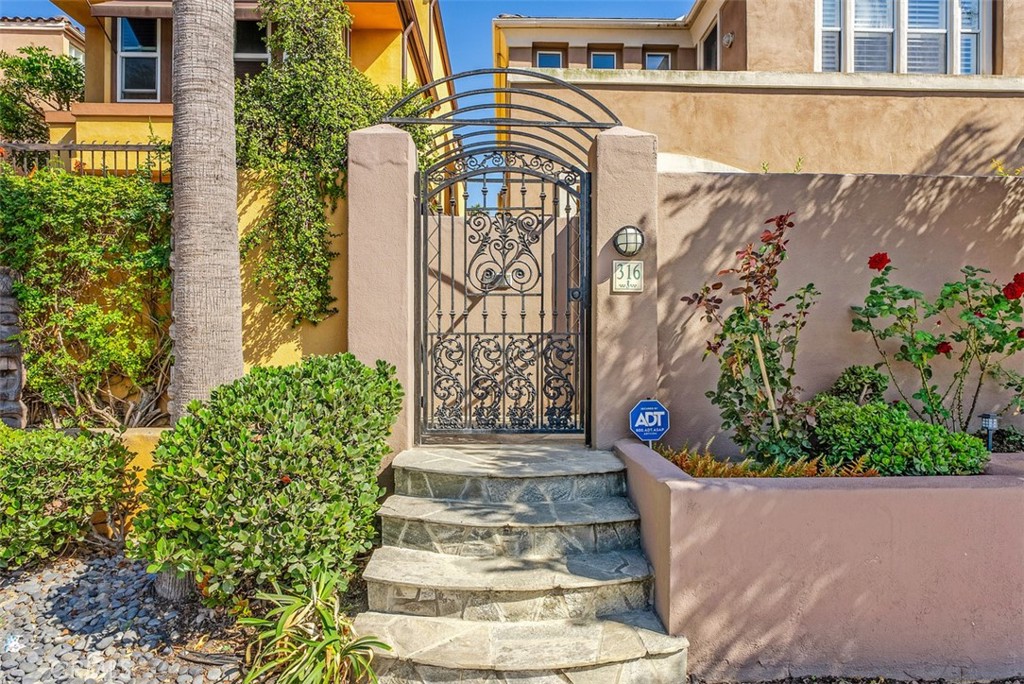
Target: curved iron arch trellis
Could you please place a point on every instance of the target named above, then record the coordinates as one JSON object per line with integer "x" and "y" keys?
{"x": 503, "y": 252}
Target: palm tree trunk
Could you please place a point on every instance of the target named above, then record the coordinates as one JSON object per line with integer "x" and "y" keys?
{"x": 207, "y": 299}
{"x": 206, "y": 303}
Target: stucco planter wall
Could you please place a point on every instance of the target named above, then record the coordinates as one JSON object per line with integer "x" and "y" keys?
{"x": 898, "y": 577}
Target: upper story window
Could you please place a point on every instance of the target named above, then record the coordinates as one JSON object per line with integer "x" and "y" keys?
{"x": 138, "y": 60}
{"x": 251, "y": 53}
{"x": 549, "y": 59}
{"x": 709, "y": 50}
{"x": 658, "y": 61}
{"x": 904, "y": 36}
{"x": 603, "y": 60}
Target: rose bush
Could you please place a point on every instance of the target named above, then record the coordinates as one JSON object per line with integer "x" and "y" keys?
{"x": 756, "y": 347}
{"x": 974, "y": 321}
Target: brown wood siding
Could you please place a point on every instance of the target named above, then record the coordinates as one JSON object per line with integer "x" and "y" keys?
{"x": 687, "y": 59}
{"x": 166, "y": 51}
{"x": 732, "y": 18}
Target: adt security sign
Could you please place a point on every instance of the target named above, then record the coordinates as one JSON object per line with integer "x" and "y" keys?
{"x": 649, "y": 420}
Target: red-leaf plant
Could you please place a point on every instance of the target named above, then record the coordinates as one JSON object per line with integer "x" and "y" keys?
{"x": 756, "y": 345}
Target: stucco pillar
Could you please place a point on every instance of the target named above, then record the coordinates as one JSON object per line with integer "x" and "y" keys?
{"x": 381, "y": 256}
{"x": 624, "y": 327}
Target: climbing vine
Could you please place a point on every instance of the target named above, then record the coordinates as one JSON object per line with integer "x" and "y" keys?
{"x": 293, "y": 120}
{"x": 93, "y": 257}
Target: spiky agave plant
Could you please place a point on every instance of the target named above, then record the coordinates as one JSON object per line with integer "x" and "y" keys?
{"x": 307, "y": 639}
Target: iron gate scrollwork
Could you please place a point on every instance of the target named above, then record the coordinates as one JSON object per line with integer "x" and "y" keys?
{"x": 504, "y": 295}
{"x": 503, "y": 255}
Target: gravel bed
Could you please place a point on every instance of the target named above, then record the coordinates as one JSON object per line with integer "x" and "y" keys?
{"x": 96, "y": 619}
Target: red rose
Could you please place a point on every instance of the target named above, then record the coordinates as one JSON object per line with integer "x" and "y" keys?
{"x": 285, "y": 479}
{"x": 1019, "y": 278}
{"x": 1020, "y": 333}
{"x": 1013, "y": 290}
{"x": 879, "y": 261}
{"x": 978, "y": 314}
{"x": 943, "y": 348}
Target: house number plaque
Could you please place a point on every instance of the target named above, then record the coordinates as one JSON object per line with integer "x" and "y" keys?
{"x": 627, "y": 276}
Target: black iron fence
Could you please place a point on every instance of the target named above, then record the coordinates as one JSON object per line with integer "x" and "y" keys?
{"x": 102, "y": 159}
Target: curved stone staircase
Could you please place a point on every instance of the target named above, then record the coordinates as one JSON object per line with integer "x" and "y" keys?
{"x": 514, "y": 564}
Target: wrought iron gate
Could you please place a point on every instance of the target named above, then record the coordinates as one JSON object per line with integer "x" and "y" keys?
{"x": 503, "y": 261}
{"x": 504, "y": 294}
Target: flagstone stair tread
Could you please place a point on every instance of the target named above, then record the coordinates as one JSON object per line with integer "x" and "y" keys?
{"x": 547, "y": 645}
{"x": 509, "y": 461}
{"x": 411, "y": 567}
{"x": 506, "y": 515}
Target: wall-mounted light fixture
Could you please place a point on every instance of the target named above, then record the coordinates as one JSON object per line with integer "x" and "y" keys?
{"x": 990, "y": 423}
{"x": 728, "y": 39}
{"x": 628, "y": 241}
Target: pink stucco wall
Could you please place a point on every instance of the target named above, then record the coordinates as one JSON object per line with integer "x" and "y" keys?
{"x": 896, "y": 577}
{"x": 931, "y": 226}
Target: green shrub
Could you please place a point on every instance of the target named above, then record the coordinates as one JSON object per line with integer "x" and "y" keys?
{"x": 93, "y": 254}
{"x": 859, "y": 384}
{"x": 894, "y": 443}
{"x": 52, "y": 484}
{"x": 273, "y": 477}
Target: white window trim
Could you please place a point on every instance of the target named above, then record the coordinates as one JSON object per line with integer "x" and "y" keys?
{"x": 718, "y": 46}
{"x": 137, "y": 55}
{"x": 657, "y": 53}
{"x": 596, "y": 53}
{"x": 953, "y": 33}
{"x": 561, "y": 61}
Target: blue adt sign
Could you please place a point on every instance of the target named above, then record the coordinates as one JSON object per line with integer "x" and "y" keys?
{"x": 649, "y": 420}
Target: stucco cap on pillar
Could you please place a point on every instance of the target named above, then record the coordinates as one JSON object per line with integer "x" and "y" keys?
{"x": 625, "y": 132}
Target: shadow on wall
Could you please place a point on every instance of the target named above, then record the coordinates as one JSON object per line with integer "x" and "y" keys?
{"x": 889, "y": 584}
{"x": 930, "y": 226}
{"x": 972, "y": 146}
{"x": 268, "y": 337}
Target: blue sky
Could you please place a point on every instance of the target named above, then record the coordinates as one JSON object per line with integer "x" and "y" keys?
{"x": 468, "y": 22}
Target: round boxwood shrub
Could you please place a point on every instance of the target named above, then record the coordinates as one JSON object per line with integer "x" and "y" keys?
{"x": 52, "y": 485}
{"x": 273, "y": 476}
{"x": 894, "y": 443}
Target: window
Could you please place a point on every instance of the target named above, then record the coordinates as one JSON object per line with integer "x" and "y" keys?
{"x": 709, "y": 50}
{"x": 905, "y": 36}
{"x": 970, "y": 36}
{"x": 251, "y": 53}
{"x": 874, "y": 27}
{"x": 549, "y": 60}
{"x": 602, "y": 60}
{"x": 927, "y": 36}
{"x": 658, "y": 61}
{"x": 138, "y": 60}
{"x": 831, "y": 35}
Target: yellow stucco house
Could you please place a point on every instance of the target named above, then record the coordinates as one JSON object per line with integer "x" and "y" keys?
{"x": 128, "y": 100}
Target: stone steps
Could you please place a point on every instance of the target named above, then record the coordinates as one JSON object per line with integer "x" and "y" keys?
{"x": 514, "y": 564}
{"x": 490, "y": 475}
{"x": 485, "y": 530}
{"x": 409, "y": 582}
{"x": 625, "y": 649}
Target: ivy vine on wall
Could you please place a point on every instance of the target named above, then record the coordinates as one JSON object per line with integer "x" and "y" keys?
{"x": 293, "y": 121}
{"x": 93, "y": 257}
